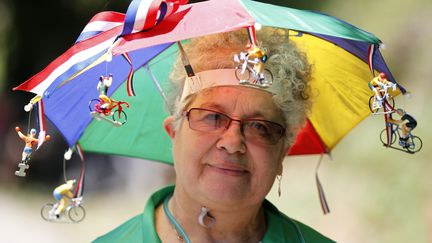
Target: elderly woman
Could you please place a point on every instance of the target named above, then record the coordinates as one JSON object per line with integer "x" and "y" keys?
{"x": 229, "y": 140}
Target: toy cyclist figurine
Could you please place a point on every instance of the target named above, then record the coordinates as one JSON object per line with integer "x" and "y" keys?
{"x": 258, "y": 57}
{"x": 380, "y": 81}
{"x": 104, "y": 84}
{"x": 102, "y": 87}
{"x": 30, "y": 142}
{"x": 253, "y": 60}
{"x": 63, "y": 194}
{"x": 407, "y": 124}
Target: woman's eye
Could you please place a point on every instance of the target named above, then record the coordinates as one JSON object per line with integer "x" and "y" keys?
{"x": 259, "y": 127}
{"x": 212, "y": 117}
{"x": 214, "y": 120}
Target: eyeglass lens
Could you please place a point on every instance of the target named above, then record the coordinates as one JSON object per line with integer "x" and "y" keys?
{"x": 262, "y": 131}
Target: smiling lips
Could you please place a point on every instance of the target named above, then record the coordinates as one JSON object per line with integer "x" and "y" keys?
{"x": 228, "y": 169}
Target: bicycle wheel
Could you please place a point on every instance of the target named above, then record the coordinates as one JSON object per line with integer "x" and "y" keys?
{"x": 45, "y": 211}
{"x": 383, "y": 138}
{"x": 416, "y": 144}
{"x": 119, "y": 117}
{"x": 371, "y": 105}
{"x": 93, "y": 103}
{"x": 268, "y": 76}
{"x": 76, "y": 214}
{"x": 242, "y": 76}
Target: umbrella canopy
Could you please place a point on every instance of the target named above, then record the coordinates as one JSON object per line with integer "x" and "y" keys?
{"x": 344, "y": 59}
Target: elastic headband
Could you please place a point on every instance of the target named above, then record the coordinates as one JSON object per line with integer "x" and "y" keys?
{"x": 219, "y": 77}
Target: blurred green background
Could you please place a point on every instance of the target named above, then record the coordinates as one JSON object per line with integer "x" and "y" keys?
{"x": 375, "y": 194}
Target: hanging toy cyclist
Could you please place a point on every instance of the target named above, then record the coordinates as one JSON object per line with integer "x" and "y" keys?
{"x": 380, "y": 81}
{"x": 30, "y": 142}
{"x": 103, "y": 86}
{"x": 258, "y": 57}
{"x": 407, "y": 124}
{"x": 63, "y": 195}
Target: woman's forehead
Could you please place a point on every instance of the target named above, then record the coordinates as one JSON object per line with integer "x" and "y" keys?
{"x": 238, "y": 101}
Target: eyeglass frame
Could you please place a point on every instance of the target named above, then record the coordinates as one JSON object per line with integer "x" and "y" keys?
{"x": 240, "y": 121}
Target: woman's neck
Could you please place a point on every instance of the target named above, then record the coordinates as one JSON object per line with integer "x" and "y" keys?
{"x": 231, "y": 225}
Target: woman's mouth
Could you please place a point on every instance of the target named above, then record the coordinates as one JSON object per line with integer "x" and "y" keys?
{"x": 228, "y": 169}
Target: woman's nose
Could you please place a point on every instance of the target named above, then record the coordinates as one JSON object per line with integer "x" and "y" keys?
{"x": 232, "y": 139}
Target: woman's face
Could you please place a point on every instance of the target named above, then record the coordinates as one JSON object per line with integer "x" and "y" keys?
{"x": 225, "y": 169}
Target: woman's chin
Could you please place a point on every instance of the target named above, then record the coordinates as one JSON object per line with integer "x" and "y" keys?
{"x": 226, "y": 192}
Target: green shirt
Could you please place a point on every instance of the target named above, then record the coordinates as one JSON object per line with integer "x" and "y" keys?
{"x": 141, "y": 228}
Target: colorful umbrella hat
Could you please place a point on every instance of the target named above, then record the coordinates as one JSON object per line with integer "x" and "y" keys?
{"x": 345, "y": 58}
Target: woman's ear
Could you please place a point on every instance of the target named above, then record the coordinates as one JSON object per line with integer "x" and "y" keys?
{"x": 169, "y": 127}
{"x": 283, "y": 154}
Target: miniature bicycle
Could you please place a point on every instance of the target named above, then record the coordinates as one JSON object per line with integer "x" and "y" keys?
{"x": 412, "y": 145}
{"x": 386, "y": 100}
{"x": 74, "y": 211}
{"x": 100, "y": 110}
{"x": 244, "y": 69}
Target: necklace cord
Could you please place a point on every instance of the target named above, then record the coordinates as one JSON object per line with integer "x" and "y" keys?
{"x": 171, "y": 218}
{"x": 182, "y": 233}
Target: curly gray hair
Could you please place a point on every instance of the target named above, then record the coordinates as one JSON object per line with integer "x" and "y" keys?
{"x": 289, "y": 66}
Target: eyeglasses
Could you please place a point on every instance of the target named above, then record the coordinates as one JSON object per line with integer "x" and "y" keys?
{"x": 261, "y": 131}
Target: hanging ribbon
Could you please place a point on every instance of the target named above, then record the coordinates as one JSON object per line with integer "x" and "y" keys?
{"x": 129, "y": 84}
{"x": 79, "y": 189}
{"x": 323, "y": 201}
{"x": 252, "y": 35}
{"x": 80, "y": 185}
{"x": 387, "y": 117}
{"x": 371, "y": 51}
{"x": 80, "y": 152}
{"x": 388, "y": 130}
{"x": 41, "y": 123}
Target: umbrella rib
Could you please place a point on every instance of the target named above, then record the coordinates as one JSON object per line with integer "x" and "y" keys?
{"x": 300, "y": 21}
{"x": 156, "y": 82}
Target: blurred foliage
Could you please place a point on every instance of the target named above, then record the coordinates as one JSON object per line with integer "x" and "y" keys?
{"x": 52, "y": 32}
{"x": 4, "y": 29}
